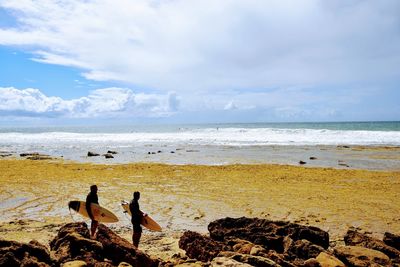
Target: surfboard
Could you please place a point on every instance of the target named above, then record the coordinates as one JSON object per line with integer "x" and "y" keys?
{"x": 99, "y": 213}
{"x": 147, "y": 221}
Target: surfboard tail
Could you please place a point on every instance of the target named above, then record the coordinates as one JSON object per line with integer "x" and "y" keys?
{"x": 74, "y": 205}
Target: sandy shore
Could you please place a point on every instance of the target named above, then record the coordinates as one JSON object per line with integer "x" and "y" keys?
{"x": 34, "y": 197}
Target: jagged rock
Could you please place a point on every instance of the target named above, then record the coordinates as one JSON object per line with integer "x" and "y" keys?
{"x": 326, "y": 260}
{"x": 241, "y": 246}
{"x": 269, "y": 234}
{"x": 311, "y": 263}
{"x": 112, "y": 152}
{"x": 258, "y": 250}
{"x": 200, "y": 247}
{"x": 354, "y": 238}
{"x": 303, "y": 249}
{"x": 77, "y": 263}
{"x": 14, "y": 253}
{"x": 278, "y": 258}
{"x": 227, "y": 262}
{"x": 108, "y": 156}
{"x": 118, "y": 249}
{"x": 392, "y": 240}
{"x": 92, "y": 154}
{"x": 249, "y": 259}
{"x": 355, "y": 256}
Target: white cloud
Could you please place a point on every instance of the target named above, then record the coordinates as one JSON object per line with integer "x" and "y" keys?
{"x": 107, "y": 102}
{"x": 190, "y": 45}
{"x": 230, "y": 106}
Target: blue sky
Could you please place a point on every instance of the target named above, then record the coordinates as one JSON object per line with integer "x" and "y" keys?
{"x": 198, "y": 61}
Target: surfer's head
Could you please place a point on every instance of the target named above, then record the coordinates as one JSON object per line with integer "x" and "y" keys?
{"x": 93, "y": 188}
{"x": 136, "y": 195}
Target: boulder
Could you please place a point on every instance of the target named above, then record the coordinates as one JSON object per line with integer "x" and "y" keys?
{"x": 303, "y": 249}
{"x": 249, "y": 259}
{"x": 118, "y": 249}
{"x": 354, "y": 238}
{"x": 14, "y": 253}
{"x": 392, "y": 240}
{"x": 200, "y": 247}
{"x": 227, "y": 262}
{"x": 355, "y": 256}
{"x": 29, "y": 154}
{"x": 313, "y": 158}
{"x": 108, "y": 156}
{"x": 302, "y": 162}
{"x": 326, "y": 260}
{"x": 269, "y": 234}
{"x": 112, "y": 152}
{"x": 77, "y": 263}
{"x": 312, "y": 262}
{"x": 92, "y": 154}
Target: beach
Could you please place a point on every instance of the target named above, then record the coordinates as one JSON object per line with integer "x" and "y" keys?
{"x": 34, "y": 197}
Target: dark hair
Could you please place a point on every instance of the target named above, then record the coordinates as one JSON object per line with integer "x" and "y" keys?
{"x": 93, "y": 187}
{"x": 136, "y": 195}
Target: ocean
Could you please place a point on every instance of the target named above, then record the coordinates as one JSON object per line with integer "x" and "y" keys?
{"x": 206, "y": 143}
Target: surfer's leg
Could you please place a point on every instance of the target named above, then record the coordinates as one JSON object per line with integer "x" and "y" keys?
{"x": 136, "y": 238}
{"x": 93, "y": 228}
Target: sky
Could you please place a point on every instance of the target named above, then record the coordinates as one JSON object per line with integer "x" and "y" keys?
{"x": 187, "y": 61}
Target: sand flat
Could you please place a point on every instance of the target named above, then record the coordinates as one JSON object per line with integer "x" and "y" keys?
{"x": 184, "y": 197}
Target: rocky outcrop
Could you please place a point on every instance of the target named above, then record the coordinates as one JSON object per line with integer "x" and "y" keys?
{"x": 73, "y": 244}
{"x": 355, "y": 256}
{"x": 269, "y": 234}
{"x": 392, "y": 240}
{"x": 108, "y": 156}
{"x": 92, "y": 154}
{"x": 200, "y": 247}
{"x": 354, "y": 238}
{"x": 16, "y": 254}
{"x": 118, "y": 249}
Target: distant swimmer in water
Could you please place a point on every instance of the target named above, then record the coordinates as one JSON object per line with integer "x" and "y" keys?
{"x": 137, "y": 216}
{"x": 92, "y": 198}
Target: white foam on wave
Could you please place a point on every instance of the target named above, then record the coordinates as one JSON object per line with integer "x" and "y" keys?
{"x": 210, "y": 136}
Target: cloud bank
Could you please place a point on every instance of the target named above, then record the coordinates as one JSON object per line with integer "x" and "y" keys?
{"x": 105, "y": 103}
{"x": 189, "y": 45}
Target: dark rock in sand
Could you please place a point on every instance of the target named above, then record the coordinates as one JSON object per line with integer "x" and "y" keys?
{"x": 355, "y": 256}
{"x": 313, "y": 158}
{"x": 159, "y": 151}
{"x": 108, "y": 156}
{"x": 92, "y": 154}
{"x": 200, "y": 247}
{"x": 354, "y": 238}
{"x": 118, "y": 249}
{"x": 112, "y": 152}
{"x": 28, "y": 154}
{"x": 172, "y": 152}
{"x": 302, "y": 162}
{"x": 5, "y": 155}
{"x": 392, "y": 240}
{"x": 269, "y": 234}
{"x": 14, "y": 253}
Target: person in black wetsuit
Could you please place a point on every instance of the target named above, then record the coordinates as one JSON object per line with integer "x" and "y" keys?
{"x": 92, "y": 198}
{"x": 137, "y": 216}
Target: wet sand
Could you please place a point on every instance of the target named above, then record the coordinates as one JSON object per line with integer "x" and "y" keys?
{"x": 34, "y": 197}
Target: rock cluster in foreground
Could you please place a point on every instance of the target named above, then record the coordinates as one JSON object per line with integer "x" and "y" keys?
{"x": 73, "y": 247}
{"x": 260, "y": 242}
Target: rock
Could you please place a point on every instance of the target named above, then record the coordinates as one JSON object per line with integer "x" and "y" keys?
{"x": 108, "y": 156}
{"x": 354, "y": 238}
{"x": 159, "y": 151}
{"x": 303, "y": 249}
{"x": 313, "y": 158}
{"x": 311, "y": 263}
{"x": 92, "y": 154}
{"x": 172, "y": 152}
{"x": 28, "y": 154}
{"x": 258, "y": 250}
{"x": 269, "y": 234}
{"x": 326, "y": 260}
{"x": 200, "y": 247}
{"x": 118, "y": 249}
{"x": 392, "y": 240}
{"x": 302, "y": 162}
{"x": 249, "y": 259}
{"x": 124, "y": 264}
{"x": 112, "y": 152}
{"x": 74, "y": 264}
{"x": 39, "y": 157}
{"x": 241, "y": 246}
{"x": 278, "y": 258}
{"x": 227, "y": 262}
{"x": 14, "y": 253}
{"x": 355, "y": 256}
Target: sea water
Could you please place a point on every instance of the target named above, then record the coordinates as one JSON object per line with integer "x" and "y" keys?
{"x": 214, "y": 143}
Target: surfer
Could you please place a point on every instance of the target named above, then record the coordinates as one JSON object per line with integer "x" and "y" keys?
{"x": 92, "y": 198}
{"x": 137, "y": 215}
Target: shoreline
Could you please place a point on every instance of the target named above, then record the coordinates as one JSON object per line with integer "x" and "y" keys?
{"x": 188, "y": 197}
